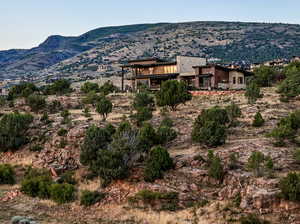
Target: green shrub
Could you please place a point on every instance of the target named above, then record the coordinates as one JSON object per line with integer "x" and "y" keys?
{"x": 86, "y": 112}
{"x": 265, "y": 75}
{"x": 62, "y": 132}
{"x": 89, "y": 198}
{"x": 3, "y": 101}
{"x": 66, "y": 117}
{"x": 159, "y": 161}
{"x": 63, "y": 143}
{"x": 216, "y": 114}
{"x": 209, "y": 127}
{"x": 147, "y": 195}
{"x": 290, "y": 186}
{"x": 290, "y": 87}
{"x": 216, "y": 169}
{"x": 141, "y": 115}
{"x": 166, "y": 201}
{"x": 67, "y": 178}
{"x": 45, "y": 118}
{"x": 37, "y": 186}
{"x": 104, "y": 107}
{"x": 110, "y": 158}
{"x": 143, "y": 99}
{"x": 252, "y": 92}
{"x": 123, "y": 127}
{"x": 65, "y": 114}
{"x": 54, "y": 106}
{"x": 211, "y": 133}
{"x": 286, "y": 128}
{"x": 165, "y": 134}
{"x": 59, "y": 87}
{"x": 297, "y": 155}
{"x": 62, "y": 193}
{"x": 258, "y": 120}
{"x": 110, "y": 129}
{"x": 210, "y": 157}
{"x": 259, "y": 163}
{"x": 21, "y": 90}
{"x": 95, "y": 139}
{"x": 167, "y": 122}
{"x": 237, "y": 200}
{"x": 172, "y": 93}
{"x": 233, "y": 161}
{"x": 108, "y": 88}
{"x": 7, "y": 174}
{"x": 147, "y": 136}
{"x": 233, "y": 112}
{"x": 36, "y": 102}
{"x": 89, "y": 86}
{"x": 252, "y": 219}
{"x": 120, "y": 155}
{"x": 91, "y": 98}
{"x": 38, "y": 183}
{"x": 13, "y": 130}
{"x": 110, "y": 165}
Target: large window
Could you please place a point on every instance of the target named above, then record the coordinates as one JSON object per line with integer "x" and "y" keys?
{"x": 241, "y": 80}
{"x": 234, "y": 80}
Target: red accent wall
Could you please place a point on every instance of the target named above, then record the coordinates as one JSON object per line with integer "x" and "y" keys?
{"x": 219, "y": 75}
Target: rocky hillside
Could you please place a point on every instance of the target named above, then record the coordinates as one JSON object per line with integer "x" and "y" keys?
{"x": 197, "y": 197}
{"x": 101, "y": 50}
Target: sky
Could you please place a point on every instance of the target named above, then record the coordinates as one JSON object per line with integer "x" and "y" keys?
{"x": 27, "y": 23}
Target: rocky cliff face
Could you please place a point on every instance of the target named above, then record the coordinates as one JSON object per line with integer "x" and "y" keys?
{"x": 106, "y": 47}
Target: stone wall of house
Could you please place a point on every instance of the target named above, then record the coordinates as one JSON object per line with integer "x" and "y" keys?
{"x": 185, "y": 64}
{"x": 237, "y": 75}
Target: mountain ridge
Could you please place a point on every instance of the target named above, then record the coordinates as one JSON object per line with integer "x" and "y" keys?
{"x": 228, "y": 41}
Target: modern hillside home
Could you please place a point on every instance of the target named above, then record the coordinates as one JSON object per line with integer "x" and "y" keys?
{"x": 153, "y": 71}
{"x": 218, "y": 77}
{"x": 193, "y": 70}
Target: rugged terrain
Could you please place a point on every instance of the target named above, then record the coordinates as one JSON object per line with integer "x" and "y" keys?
{"x": 100, "y": 51}
{"x": 211, "y": 202}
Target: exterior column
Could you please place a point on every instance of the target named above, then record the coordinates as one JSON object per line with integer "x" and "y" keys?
{"x": 122, "y": 85}
{"x": 197, "y": 82}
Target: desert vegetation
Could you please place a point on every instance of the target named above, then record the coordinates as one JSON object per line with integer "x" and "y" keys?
{"x": 97, "y": 154}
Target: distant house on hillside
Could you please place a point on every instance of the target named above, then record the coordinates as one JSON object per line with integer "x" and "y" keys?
{"x": 218, "y": 77}
{"x": 295, "y": 59}
{"x": 277, "y": 62}
{"x": 153, "y": 71}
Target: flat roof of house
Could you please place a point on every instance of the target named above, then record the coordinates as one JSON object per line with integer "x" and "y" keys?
{"x": 146, "y": 59}
{"x": 148, "y": 65}
{"x": 211, "y": 65}
{"x": 247, "y": 73}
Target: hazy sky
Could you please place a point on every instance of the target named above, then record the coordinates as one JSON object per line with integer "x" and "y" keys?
{"x": 26, "y": 23}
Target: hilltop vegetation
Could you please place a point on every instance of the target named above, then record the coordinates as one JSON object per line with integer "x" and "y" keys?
{"x": 101, "y": 50}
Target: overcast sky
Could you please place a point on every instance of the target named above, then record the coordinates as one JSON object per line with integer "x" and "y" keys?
{"x": 26, "y": 23}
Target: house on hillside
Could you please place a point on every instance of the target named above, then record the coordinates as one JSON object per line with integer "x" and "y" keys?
{"x": 218, "y": 77}
{"x": 153, "y": 71}
{"x": 193, "y": 70}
